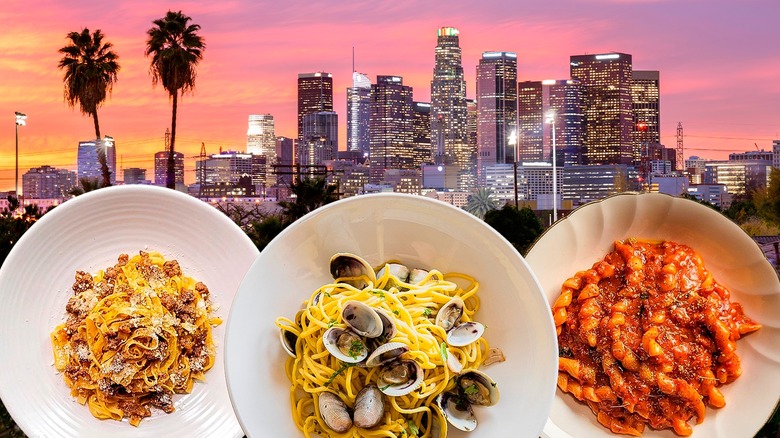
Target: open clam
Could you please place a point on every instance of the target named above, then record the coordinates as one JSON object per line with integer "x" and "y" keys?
{"x": 399, "y": 377}
{"x": 362, "y": 319}
{"x": 288, "y": 340}
{"x": 345, "y": 345}
{"x": 351, "y": 269}
{"x": 459, "y": 414}
{"x": 464, "y": 334}
{"x": 396, "y": 269}
{"x": 450, "y": 313}
{"x": 386, "y": 353}
{"x": 478, "y": 388}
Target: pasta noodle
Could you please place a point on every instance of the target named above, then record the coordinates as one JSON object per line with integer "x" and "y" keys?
{"x": 412, "y": 307}
{"x": 136, "y": 334}
{"x": 647, "y": 337}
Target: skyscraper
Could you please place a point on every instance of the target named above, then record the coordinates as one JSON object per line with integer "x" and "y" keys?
{"x": 46, "y": 182}
{"x": 358, "y": 114}
{"x": 421, "y": 131}
{"x": 320, "y": 139}
{"x": 496, "y": 109}
{"x": 448, "y": 106}
{"x": 261, "y": 140}
{"x": 88, "y": 165}
{"x": 315, "y": 94}
{"x": 535, "y": 100}
{"x": 391, "y": 131}
{"x": 646, "y": 105}
{"x": 161, "y": 168}
{"x": 608, "y": 115}
{"x": 285, "y": 156}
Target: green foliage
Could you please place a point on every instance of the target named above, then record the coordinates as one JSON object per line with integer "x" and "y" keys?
{"x": 481, "y": 202}
{"x": 519, "y": 227}
{"x": 91, "y": 70}
{"x": 263, "y": 232}
{"x": 309, "y": 194}
{"x": 85, "y": 185}
{"x": 14, "y": 222}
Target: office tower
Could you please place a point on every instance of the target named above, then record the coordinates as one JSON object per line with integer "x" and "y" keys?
{"x": 776, "y": 154}
{"x": 535, "y": 99}
{"x": 231, "y": 173}
{"x": 261, "y": 140}
{"x": 496, "y": 109}
{"x": 448, "y": 105}
{"x": 319, "y": 139}
{"x": 46, "y": 182}
{"x": 161, "y": 168}
{"x": 315, "y": 95}
{"x": 646, "y": 106}
{"x": 391, "y": 131}
{"x": 358, "y": 114}
{"x": 88, "y": 165}
{"x": 468, "y": 179}
{"x": 134, "y": 175}
{"x": 421, "y": 132}
{"x": 608, "y": 115}
{"x": 285, "y": 157}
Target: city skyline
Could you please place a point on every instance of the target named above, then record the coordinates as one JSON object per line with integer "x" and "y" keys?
{"x": 718, "y": 79}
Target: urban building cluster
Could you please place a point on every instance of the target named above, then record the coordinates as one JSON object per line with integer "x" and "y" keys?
{"x": 547, "y": 144}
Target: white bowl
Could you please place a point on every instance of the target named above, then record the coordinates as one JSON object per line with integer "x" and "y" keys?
{"x": 419, "y": 232}
{"x": 587, "y": 235}
{"x": 88, "y": 233}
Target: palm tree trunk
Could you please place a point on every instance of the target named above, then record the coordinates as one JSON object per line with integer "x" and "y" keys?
{"x": 170, "y": 178}
{"x": 101, "y": 153}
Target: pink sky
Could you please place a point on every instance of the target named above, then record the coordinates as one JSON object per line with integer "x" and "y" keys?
{"x": 719, "y": 62}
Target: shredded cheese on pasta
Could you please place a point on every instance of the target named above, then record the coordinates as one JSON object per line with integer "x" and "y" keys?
{"x": 136, "y": 334}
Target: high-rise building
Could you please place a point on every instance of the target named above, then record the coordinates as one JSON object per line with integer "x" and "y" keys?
{"x": 161, "y": 168}
{"x": 608, "y": 112}
{"x": 646, "y": 105}
{"x": 285, "y": 157}
{"x": 449, "y": 112}
{"x": 391, "y": 131}
{"x": 421, "y": 131}
{"x": 320, "y": 139}
{"x": 496, "y": 109}
{"x": 359, "y": 114}
{"x": 46, "y": 182}
{"x": 88, "y": 165}
{"x": 315, "y": 95}
{"x": 562, "y": 99}
{"x": 776, "y": 154}
{"x": 261, "y": 140}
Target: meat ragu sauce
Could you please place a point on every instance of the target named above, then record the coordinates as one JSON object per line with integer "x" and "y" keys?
{"x": 647, "y": 336}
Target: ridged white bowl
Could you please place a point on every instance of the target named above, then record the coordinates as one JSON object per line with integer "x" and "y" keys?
{"x": 88, "y": 233}
{"x": 420, "y": 232}
{"x": 587, "y": 235}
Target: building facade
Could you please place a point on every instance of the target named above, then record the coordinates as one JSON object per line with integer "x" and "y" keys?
{"x": 582, "y": 184}
{"x": 359, "y": 114}
{"x": 421, "y": 130}
{"x": 391, "y": 129}
{"x": 134, "y": 175}
{"x": 47, "y": 182}
{"x": 646, "y": 106}
{"x": 320, "y": 139}
{"x": 161, "y": 168}
{"x": 449, "y": 112}
{"x": 608, "y": 112}
{"x": 496, "y": 110}
{"x": 315, "y": 95}
{"x": 88, "y": 165}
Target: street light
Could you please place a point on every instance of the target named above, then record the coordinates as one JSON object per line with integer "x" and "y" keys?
{"x": 512, "y": 141}
{"x": 21, "y": 120}
{"x": 550, "y": 118}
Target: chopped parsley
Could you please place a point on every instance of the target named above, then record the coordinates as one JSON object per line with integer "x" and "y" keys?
{"x": 471, "y": 390}
{"x": 413, "y": 429}
{"x": 355, "y": 349}
{"x": 379, "y": 293}
{"x": 443, "y": 351}
{"x": 331, "y": 323}
{"x": 397, "y": 313}
{"x": 384, "y": 388}
{"x": 427, "y": 311}
{"x": 338, "y": 372}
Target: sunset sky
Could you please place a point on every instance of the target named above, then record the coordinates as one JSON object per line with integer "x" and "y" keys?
{"x": 719, "y": 62}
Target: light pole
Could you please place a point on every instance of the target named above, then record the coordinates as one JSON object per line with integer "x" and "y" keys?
{"x": 512, "y": 142}
{"x": 21, "y": 120}
{"x": 550, "y": 118}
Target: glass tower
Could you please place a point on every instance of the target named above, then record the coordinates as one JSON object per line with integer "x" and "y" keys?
{"x": 315, "y": 94}
{"x": 646, "y": 104}
{"x": 496, "y": 109}
{"x": 358, "y": 114}
{"x": 392, "y": 122}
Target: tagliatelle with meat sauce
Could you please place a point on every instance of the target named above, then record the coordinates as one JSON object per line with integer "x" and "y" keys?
{"x": 136, "y": 334}
{"x": 412, "y": 308}
{"x": 647, "y": 337}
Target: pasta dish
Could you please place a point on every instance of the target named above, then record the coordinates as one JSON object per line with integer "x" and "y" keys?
{"x": 387, "y": 354}
{"x": 136, "y": 333}
{"x": 647, "y": 336}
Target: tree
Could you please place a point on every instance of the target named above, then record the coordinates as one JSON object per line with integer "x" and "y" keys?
{"x": 85, "y": 185}
{"x": 481, "y": 202}
{"x": 310, "y": 194}
{"x": 90, "y": 73}
{"x": 176, "y": 49}
{"x": 519, "y": 227}
{"x": 263, "y": 232}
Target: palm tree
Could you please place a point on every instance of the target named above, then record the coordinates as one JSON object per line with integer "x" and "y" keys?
{"x": 310, "y": 194}
{"x": 481, "y": 202}
{"x": 175, "y": 48}
{"x": 90, "y": 73}
{"x": 85, "y": 185}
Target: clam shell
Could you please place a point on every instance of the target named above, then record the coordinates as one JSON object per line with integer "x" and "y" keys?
{"x": 399, "y": 389}
{"x": 330, "y": 339}
{"x": 386, "y": 353}
{"x": 334, "y": 412}
{"x": 459, "y": 415}
{"x": 450, "y": 313}
{"x": 288, "y": 340}
{"x": 465, "y": 333}
{"x": 369, "y": 407}
{"x": 362, "y": 319}
{"x": 416, "y": 276}
{"x": 348, "y": 267}
{"x": 486, "y": 395}
{"x": 400, "y": 271}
